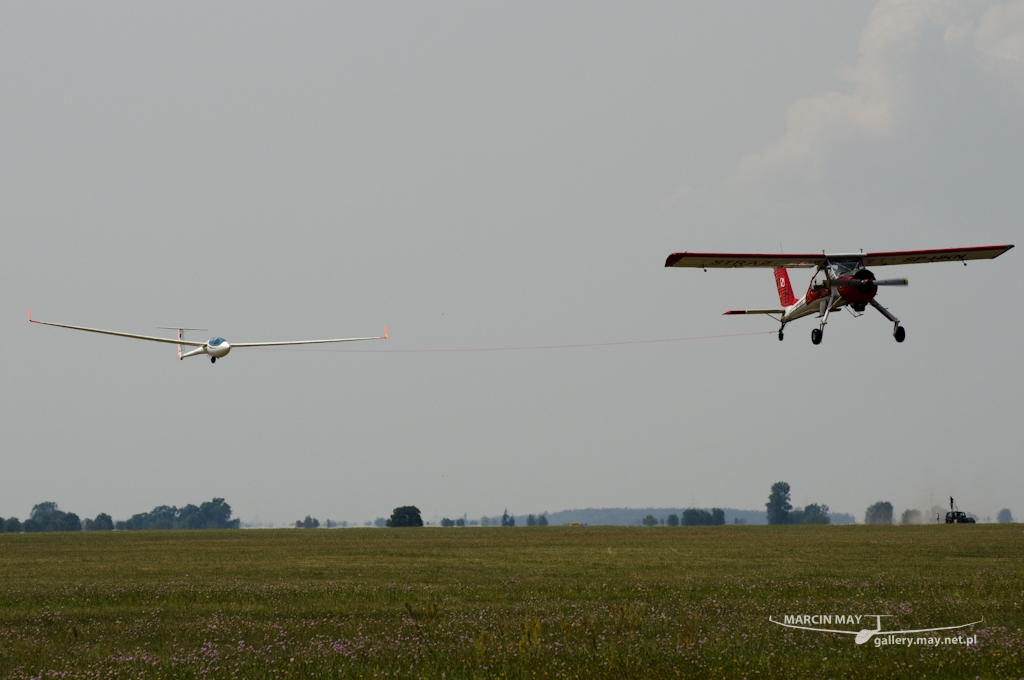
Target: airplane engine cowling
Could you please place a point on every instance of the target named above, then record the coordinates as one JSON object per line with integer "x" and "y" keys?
{"x": 862, "y": 293}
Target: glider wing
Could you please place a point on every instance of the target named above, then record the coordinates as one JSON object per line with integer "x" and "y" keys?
{"x": 172, "y": 341}
{"x": 306, "y": 342}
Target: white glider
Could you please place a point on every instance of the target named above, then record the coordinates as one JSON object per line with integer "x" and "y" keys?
{"x": 215, "y": 348}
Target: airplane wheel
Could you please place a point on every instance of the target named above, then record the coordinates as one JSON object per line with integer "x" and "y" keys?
{"x": 780, "y": 336}
{"x": 213, "y": 360}
{"x": 900, "y": 334}
{"x": 816, "y": 336}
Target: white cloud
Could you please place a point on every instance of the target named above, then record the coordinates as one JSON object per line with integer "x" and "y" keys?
{"x": 879, "y": 85}
{"x": 999, "y": 40}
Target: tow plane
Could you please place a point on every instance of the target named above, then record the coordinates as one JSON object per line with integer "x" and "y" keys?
{"x": 839, "y": 280}
{"x": 215, "y": 348}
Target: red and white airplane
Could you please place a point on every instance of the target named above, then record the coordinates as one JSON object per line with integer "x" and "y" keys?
{"x": 840, "y": 279}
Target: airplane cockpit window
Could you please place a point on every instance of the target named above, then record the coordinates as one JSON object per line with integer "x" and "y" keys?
{"x": 820, "y": 281}
{"x": 216, "y": 341}
{"x": 843, "y": 268}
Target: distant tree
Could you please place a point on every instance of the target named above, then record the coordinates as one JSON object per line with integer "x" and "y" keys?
{"x": 649, "y": 521}
{"x": 308, "y": 523}
{"x": 485, "y": 521}
{"x": 48, "y": 517}
{"x": 879, "y": 513}
{"x": 910, "y": 516}
{"x": 738, "y": 520}
{"x": 213, "y": 514}
{"x": 12, "y": 525}
{"x": 445, "y": 522}
{"x": 815, "y": 514}
{"x": 216, "y": 514}
{"x": 460, "y": 522}
{"x": 672, "y": 520}
{"x": 380, "y": 522}
{"x": 1, "y": 525}
{"x": 507, "y": 520}
{"x": 103, "y": 522}
{"x": 531, "y": 521}
{"x": 697, "y": 517}
{"x": 717, "y": 516}
{"x": 161, "y": 517}
{"x": 778, "y": 504}
{"x": 542, "y": 521}
{"x": 405, "y": 516}
{"x": 1004, "y": 516}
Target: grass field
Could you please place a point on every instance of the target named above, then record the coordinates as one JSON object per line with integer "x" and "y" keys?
{"x": 579, "y": 602}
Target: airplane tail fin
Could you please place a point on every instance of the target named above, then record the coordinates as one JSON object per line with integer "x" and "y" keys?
{"x": 786, "y": 296}
{"x": 181, "y": 335}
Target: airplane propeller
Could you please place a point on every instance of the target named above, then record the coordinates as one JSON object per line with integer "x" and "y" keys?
{"x": 877, "y": 282}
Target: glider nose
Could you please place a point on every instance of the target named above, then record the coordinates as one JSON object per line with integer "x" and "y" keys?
{"x": 863, "y": 636}
{"x": 218, "y": 347}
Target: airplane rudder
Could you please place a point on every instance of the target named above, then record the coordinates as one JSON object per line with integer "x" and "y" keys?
{"x": 785, "y": 288}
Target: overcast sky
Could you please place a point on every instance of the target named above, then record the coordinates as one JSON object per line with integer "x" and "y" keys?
{"x": 501, "y": 175}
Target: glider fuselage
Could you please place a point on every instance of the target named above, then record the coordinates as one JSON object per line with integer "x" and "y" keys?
{"x": 215, "y": 348}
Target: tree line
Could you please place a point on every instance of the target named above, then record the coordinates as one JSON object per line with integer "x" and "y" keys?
{"x": 215, "y": 514}
{"x": 781, "y": 511}
{"x": 410, "y": 516}
{"x": 692, "y": 517}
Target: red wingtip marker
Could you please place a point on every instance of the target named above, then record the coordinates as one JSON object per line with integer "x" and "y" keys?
{"x": 29, "y": 313}
{"x": 385, "y": 331}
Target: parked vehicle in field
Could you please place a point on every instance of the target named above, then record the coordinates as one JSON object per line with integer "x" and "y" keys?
{"x": 958, "y": 517}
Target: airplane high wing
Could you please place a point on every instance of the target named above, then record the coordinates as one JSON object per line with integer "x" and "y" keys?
{"x": 773, "y": 261}
{"x": 215, "y": 348}
{"x": 840, "y": 279}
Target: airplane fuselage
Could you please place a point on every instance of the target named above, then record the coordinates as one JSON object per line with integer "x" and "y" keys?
{"x": 836, "y": 285}
{"x": 215, "y": 348}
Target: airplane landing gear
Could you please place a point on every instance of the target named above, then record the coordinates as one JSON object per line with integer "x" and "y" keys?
{"x": 780, "y": 335}
{"x": 827, "y": 307}
{"x": 213, "y": 360}
{"x": 897, "y": 331}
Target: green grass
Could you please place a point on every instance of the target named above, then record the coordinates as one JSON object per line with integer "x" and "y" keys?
{"x": 581, "y": 602}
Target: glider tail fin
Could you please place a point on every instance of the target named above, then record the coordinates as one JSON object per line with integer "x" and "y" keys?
{"x": 786, "y": 297}
{"x": 180, "y": 336}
